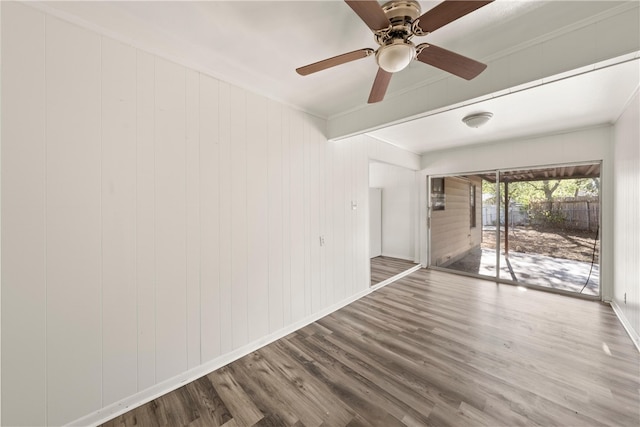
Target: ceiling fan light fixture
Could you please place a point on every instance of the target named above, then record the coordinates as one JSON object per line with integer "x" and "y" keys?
{"x": 394, "y": 24}
{"x": 477, "y": 119}
{"x": 396, "y": 56}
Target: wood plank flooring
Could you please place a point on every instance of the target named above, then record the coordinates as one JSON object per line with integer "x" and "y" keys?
{"x": 384, "y": 267}
{"x": 430, "y": 349}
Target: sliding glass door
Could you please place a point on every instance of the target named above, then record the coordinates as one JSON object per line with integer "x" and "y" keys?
{"x": 535, "y": 227}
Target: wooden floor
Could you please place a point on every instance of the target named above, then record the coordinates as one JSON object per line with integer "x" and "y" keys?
{"x": 384, "y": 267}
{"x": 430, "y": 349}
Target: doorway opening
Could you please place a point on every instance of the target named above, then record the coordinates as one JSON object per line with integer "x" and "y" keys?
{"x": 392, "y": 222}
{"x": 537, "y": 227}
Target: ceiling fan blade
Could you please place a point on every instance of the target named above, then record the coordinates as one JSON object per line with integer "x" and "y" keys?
{"x": 332, "y": 62}
{"x": 371, "y": 13}
{"x": 446, "y": 12}
{"x": 380, "y": 85}
{"x": 450, "y": 62}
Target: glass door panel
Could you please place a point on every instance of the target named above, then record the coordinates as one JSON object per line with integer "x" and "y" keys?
{"x": 550, "y": 227}
{"x": 462, "y": 225}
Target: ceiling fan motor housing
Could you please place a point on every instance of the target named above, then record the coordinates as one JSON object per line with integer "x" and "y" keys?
{"x": 396, "y": 50}
{"x": 401, "y": 11}
{"x": 401, "y": 14}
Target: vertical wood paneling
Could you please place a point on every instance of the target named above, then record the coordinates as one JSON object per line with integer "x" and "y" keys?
{"x": 275, "y": 214}
{"x": 257, "y": 218}
{"x": 178, "y": 218}
{"x": 306, "y": 214}
{"x": 346, "y": 210}
{"x": 313, "y": 241}
{"x": 23, "y": 217}
{"x": 296, "y": 180}
{"x": 328, "y": 220}
{"x": 323, "y": 176}
{"x": 355, "y": 214}
{"x": 170, "y": 211}
{"x": 226, "y": 308}
{"x": 626, "y": 213}
{"x": 145, "y": 220}
{"x": 1, "y": 214}
{"x": 322, "y": 224}
{"x": 339, "y": 206}
{"x": 209, "y": 219}
{"x": 192, "y": 118}
{"x": 362, "y": 193}
{"x": 286, "y": 214}
{"x": 74, "y": 330}
{"x": 239, "y": 294}
{"x": 350, "y": 215}
{"x": 118, "y": 202}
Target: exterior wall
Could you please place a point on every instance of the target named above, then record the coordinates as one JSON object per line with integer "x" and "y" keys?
{"x": 476, "y": 232}
{"x": 451, "y": 233}
{"x": 157, "y": 223}
{"x": 626, "y": 295}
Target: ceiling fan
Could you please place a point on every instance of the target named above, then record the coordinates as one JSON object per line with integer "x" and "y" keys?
{"x": 393, "y": 25}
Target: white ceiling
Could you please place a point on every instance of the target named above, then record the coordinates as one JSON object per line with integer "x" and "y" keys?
{"x": 588, "y": 98}
{"x": 259, "y": 44}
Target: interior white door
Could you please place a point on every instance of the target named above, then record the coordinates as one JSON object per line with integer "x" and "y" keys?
{"x": 375, "y": 222}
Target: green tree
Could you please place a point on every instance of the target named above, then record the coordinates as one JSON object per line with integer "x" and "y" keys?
{"x": 528, "y": 193}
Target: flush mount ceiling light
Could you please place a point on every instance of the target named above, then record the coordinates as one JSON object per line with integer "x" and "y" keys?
{"x": 477, "y": 119}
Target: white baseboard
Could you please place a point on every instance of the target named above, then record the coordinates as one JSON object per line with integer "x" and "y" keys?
{"x": 118, "y": 408}
{"x": 626, "y": 325}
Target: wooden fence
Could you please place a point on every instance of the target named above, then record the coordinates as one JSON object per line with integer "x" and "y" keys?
{"x": 575, "y": 213}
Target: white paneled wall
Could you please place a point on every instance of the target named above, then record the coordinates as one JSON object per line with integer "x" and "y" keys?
{"x": 210, "y": 214}
{"x": 24, "y": 298}
{"x": 170, "y": 208}
{"x": 145, "y": 222}
{"x": 626, "y": 298}
{"x": 118, "y": 218}
{"x": 75, "y": 313}
{"x": 155, "y": 221}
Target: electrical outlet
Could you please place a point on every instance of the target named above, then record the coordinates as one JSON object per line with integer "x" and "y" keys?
{"x": 625, "y": 297}
{"x": 321, "y": 240}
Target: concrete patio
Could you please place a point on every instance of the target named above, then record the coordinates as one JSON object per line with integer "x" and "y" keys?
{"x": 533, "y": 269}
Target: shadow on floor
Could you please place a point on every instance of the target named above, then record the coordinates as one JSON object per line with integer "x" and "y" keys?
{"x": 533, "y": 269}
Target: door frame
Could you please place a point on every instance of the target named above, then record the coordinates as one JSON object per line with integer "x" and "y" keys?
{"x": 426, "y": 234}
